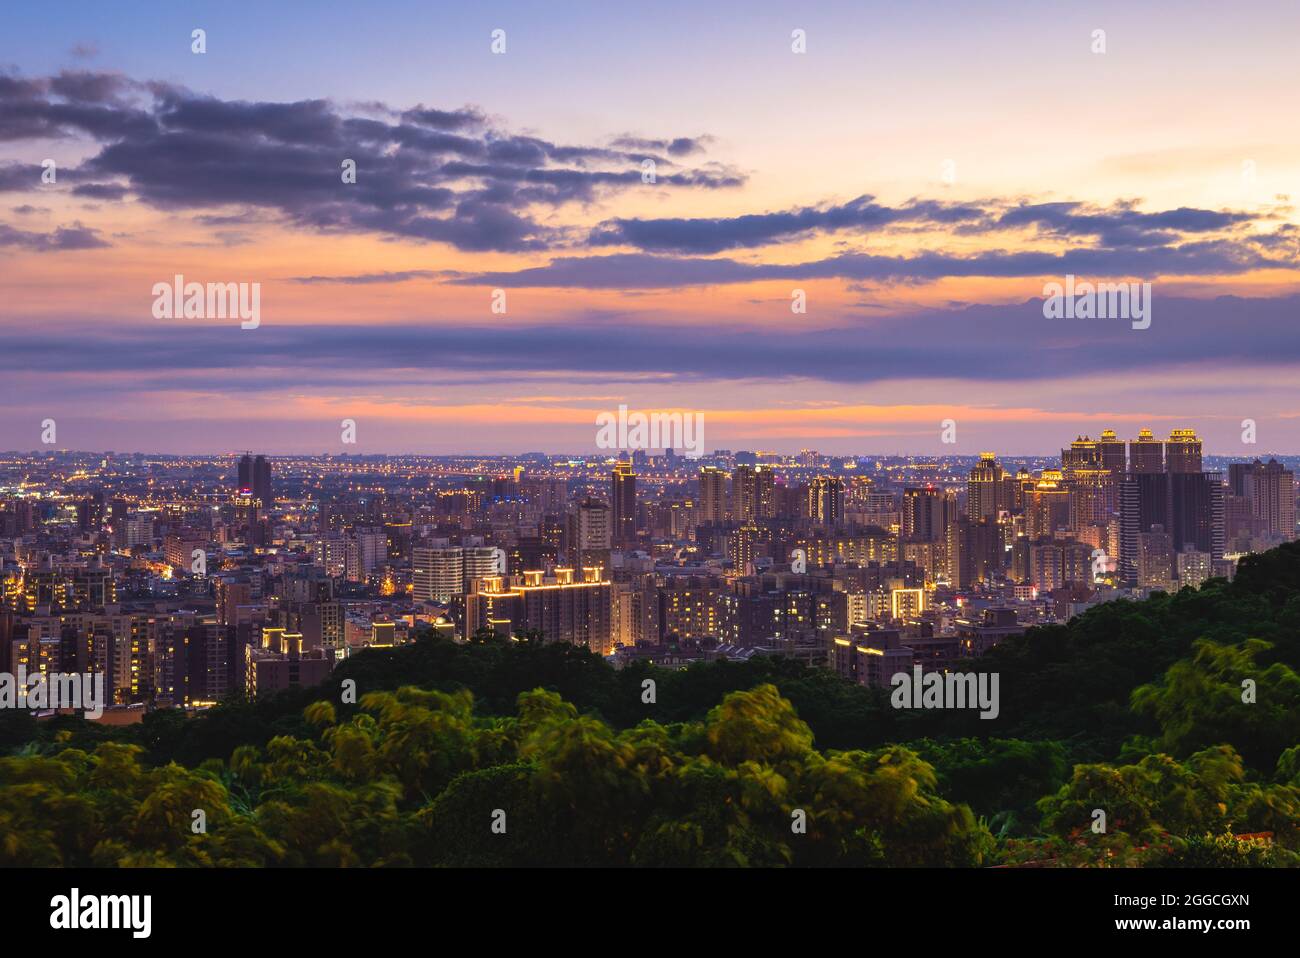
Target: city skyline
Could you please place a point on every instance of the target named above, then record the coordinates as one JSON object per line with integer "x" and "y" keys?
{"x": 913, "y": 179}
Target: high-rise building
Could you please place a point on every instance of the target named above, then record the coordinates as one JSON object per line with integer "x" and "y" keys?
{"x": 1047, "y": 506}
{"x": 972, "y": 551}
{"x": 589, "y": 534}
{"x": 826, "y": 500}
{"x": 1196, "y": 512}
{"x": 1144, "y": 502}
{"x": 1183, "y": 452}
{"x": 1269, "y": 493}
{"x": 1112, "y": 452}
{"x": 752, "y": 489}
{"x": 713, "y": 495}
{"x": 1084, "y": 453}
{"x": 1093, "y": 497}
{"x": 1146, "y": 454}
{"x": 366, "y": 551}
{"x": 437, "y": 574}
{"x": 985, "y": 489}
{"x": 927, "y": 513}
{"x": 623, "y": 504}
{"x": 262, "y": 481}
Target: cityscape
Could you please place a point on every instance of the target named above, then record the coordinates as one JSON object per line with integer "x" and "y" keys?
{"x": 851, "y": 443}
{"x": 183, "y": 580}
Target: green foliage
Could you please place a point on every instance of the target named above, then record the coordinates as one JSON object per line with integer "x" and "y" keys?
{"x": 1199, "y": 701}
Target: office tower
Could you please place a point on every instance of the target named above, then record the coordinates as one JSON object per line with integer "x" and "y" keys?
{"x": 262, "y": 481}
{"x": 927, "y": 513}
{"x": 623, "y": 504}
{"x": 986, "y": 488}
{"x": 1047, "y": 506}
{"x": 1196, "y": 512}
{"x": 245, "y": 486}
{"x": 1112, "y": 453}
{"x": 713, "y": 496}
{"x": 437, "y": 574}
{"x": 1183, "y": 452}
{"x": 826, "y": 500}
{"x": 1145, "y": 454}
{"x": 1144, "y": 502}
{"x": 752, "y": 489}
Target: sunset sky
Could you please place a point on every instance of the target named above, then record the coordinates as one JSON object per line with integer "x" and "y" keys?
{"x": 920, "y": 173}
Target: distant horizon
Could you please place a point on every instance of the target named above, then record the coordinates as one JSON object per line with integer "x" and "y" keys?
{"x": 601, "y": 455}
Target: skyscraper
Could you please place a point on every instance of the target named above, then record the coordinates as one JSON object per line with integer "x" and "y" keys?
{"x": 1112, "y": 453}
{"x": 1047, "y": 506}
{"x": 255, "y": 478}
{"x": 752, "y": 492}
{"x": 1183, "y": 452}
{"x": 1145, "y": 454}
{"x": 985, "y": 489}
{"x": 623, "y": 504}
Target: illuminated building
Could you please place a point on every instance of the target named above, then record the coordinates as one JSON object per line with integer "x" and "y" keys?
{"x": 712, "y": 506}
{"x": 752, "y": 492}
{"x": 623, "y": 504}
{"x": 1183, "y": 452}
{"x": 1145, "y": 454}
{"x": 562, "y": 608}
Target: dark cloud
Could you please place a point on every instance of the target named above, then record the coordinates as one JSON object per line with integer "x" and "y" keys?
{"x": 1115, "y": 227}
{"x": 644, "y": 271}
{"x": 464, "y": 119}
{"x": 972, "y": 343}
{"x": 1119, "y": 226}
{"x": 679, "y": 147}
{"x": 367, "y": 279}
{"x": 75, "y": 237}
{"x": 440, "y": 175}
{"x": 101, "y": 191}
{"x": 713, "y": 235}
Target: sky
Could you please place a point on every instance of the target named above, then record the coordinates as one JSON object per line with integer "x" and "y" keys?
{"x": 626, "y": 206}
